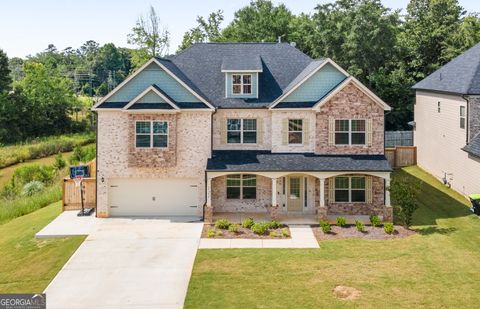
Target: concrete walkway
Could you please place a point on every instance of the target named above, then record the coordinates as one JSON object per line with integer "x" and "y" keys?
{"x": 301, "y": 237}
{"x": 126, "y": 263}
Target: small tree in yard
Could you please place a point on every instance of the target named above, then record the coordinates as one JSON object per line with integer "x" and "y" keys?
{"x": 403, "y": 193}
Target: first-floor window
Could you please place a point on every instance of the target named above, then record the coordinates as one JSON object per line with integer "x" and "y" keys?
{"x": 241, "y": 187}
{"x": 151, "y": 134}
{"x": 350, "y": 189}
{"x": 350, "y": 132}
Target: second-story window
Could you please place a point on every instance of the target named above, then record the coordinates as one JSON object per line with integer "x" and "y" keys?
{"x": 349, "y": 132}
{"x": 295, "y": 131}
{"x": 241, "y": 131}
{"x": 462, "y": 117}
{"x": 241, "y": 84}
{"x": 151, "y": 134}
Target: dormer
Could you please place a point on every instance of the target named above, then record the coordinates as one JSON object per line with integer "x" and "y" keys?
{"x": 241, "y": 76}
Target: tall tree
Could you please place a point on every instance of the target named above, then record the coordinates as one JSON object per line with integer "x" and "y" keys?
{"x": 5, "y": 79}
{"x": 257, "y": 22}
{"x": 207, "y": 30}
{"x": 151, "y": 37}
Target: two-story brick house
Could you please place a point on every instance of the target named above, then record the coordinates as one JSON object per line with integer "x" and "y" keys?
{"x": 241, "y": 127}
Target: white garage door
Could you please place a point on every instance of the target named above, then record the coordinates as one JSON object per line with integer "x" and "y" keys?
{"x": 153, "y": 197}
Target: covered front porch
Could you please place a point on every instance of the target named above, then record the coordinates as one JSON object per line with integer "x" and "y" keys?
{"x": 296, "y": 188}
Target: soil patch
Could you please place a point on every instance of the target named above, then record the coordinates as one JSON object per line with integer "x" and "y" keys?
{"x": 350, "y": 231}
{"x": 346, "y": 292}
{"x": 245, "y": 233}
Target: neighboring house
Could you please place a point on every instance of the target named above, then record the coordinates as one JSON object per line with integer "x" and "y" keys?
{"x": 447, "y": 122}
{"x": 241, "y": 127}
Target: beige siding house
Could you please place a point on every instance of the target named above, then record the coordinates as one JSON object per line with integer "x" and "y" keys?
{"x": 447, "y": 118}
{"x": 241, "y": 128}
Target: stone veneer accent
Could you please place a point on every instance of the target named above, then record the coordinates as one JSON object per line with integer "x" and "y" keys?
{"x": 152, "y": 157}
{"x": 377, "y": 206}
{"x": 350, "y": 103}
{"x": 474, "y": 116}
{"x": 192, "y": 152}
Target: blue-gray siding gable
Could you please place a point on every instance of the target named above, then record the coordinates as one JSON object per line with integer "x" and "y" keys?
{"x": 229, "y": 81}
{"x": 317, "y": 86}
{"x": 153, "y": 74}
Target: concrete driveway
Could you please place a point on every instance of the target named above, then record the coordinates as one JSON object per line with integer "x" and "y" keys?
{"x": 128, "y": 263}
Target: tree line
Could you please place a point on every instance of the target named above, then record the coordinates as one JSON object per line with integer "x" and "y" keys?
{"x": 388, "y": 50}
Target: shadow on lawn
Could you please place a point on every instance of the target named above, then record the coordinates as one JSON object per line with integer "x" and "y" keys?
{"x": 434, "y": 204}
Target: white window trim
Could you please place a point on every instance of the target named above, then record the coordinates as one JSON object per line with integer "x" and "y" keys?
{"x": 242, "y": 131}
{"x": 350, "y": 190}
{"x": 151, "y": 134}
{"x": 350, "y": 133}
{"x": 241, "y": 187}
{"x": 290, "y": 131}
{"x": 464, "y": 117}
{"x": 242, "y": 84}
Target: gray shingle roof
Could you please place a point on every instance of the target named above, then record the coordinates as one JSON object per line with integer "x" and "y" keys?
{"x": 241, "y": 63}
{"x": 474, "y": 147}
{"x": 251, "y": 160}
{"x": 460, "y": 76}
{"x": 201, "y": 65}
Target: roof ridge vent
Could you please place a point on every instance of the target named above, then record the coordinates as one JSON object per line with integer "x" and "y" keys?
{"x": 293, "y": 44}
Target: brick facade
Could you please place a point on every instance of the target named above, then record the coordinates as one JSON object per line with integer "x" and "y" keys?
{"x": 152, "y": 157}
{"x": 350, "y": 103}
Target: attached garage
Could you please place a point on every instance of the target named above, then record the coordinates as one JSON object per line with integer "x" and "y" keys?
{"x": 153, "y": 197}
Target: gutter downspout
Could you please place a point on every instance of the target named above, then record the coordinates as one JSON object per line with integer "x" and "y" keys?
{"x": 211, "y": 152}
{"x": 96, "y": 163}
{"x": 467, "y": 118}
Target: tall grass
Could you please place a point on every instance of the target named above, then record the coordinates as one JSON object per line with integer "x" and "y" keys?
{"x": 10, "y": 209}
{"x": 42, "y": 147}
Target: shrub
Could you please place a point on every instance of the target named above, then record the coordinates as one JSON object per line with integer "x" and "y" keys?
{"x": 375, "y": 220}
{"x": 219, "y": 233}
{"x": 326, "y": 228}
{"x": 285, "y": 232}
{"x": 59, "y": 162}
{"x": 274, "y": 224}
{"x": 83, "y": 154}
{"x": 404, "y": 197}
{"x": 233, "y": 228}
{"x": 360, "y": 226}
{"x": 31, "y": 172}
{"x": 388, "y": 228}
{"x": 260, "y": 228}
{"x": 248, "y": 223}
{"x": 341, "y": 221}
{"x": 222, "y": 224}
{"x": 211, "y": 233}
{"x": 273, "y": 234}
{"x": 32, "y": 188}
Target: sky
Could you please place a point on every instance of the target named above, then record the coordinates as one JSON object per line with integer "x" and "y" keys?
{"x": 28, "y": 26}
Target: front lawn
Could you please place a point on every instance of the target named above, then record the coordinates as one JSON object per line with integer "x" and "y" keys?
{"x": 437, "y": 267}
{"x": 27, "y": 265}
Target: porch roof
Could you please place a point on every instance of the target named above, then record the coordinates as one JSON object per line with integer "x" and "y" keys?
{"x": 253, "y": 160}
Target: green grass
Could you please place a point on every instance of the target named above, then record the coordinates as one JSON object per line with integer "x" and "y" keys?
{"x": 27, "y": 264}
{"x": 42, "y": 147}
{"x": 439, "y": 267}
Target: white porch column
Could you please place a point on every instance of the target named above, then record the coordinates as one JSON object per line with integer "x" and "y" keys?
{"x": 209, "y": 192}
{"x": 274, "y": 191}
{"x": 387, "y": 192}
{"x": 322, "y": 192}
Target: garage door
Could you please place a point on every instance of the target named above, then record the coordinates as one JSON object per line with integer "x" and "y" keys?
{"x": 153, "y": 197}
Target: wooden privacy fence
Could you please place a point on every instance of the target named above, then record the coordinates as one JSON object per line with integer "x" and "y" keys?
{"x": 401, "y": 156}
{"x": 71, "y": 198}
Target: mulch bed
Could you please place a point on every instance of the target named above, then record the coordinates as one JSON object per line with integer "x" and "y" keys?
{"x": 244, "y": 233}
{"x": 350, "y": 231}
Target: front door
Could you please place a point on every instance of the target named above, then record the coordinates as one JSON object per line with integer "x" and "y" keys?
{"x": 295, "y": 193}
